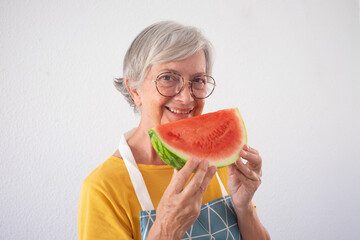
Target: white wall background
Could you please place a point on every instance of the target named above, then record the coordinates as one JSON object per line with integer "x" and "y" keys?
{"x": 291, "y": 67}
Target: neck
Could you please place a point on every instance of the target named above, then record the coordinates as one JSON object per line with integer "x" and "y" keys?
{"x": 142, "y": 148}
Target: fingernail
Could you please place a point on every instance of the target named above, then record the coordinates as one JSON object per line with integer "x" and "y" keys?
{"x": 213, "y": 170}
{"x": 244, "y": 153}
{"x": 246, "y": 147}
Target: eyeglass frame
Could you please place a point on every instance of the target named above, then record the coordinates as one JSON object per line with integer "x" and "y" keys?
{"x": 183, "y": 81}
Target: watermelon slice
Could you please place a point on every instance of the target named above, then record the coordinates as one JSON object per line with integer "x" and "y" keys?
{"x": 217, "y": 137}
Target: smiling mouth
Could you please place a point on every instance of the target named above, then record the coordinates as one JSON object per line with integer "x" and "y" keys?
{"x": 179, "y": 111}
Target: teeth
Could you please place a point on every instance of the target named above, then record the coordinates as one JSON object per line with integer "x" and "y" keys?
{"x": 178, "y": 111}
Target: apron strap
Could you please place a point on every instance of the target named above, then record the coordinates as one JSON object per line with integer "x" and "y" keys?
{"x": 223, "y": 190}
{"x": 135, "y": 175}
{"x": 137, "y": 179}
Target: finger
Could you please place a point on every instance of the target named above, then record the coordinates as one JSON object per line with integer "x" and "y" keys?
{"x": 181, "y": 177}
{"x": 196, "y": 181}
{"x": 240, "y": 175}
{"x": 254, "y": 159}
{"x": 250, "y": 186}
{"x": 246, "y": 181}
{"x": 233, "y": 170}
{"x": 250, "y": 174}
{"x": 250, "y": 149}
{"x": 209, "y": 175}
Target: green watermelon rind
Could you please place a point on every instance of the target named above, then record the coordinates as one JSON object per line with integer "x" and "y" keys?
{"x": 177, "y": 160}
{"x": 165, "y": 153}
{"x": 243, "y": 125}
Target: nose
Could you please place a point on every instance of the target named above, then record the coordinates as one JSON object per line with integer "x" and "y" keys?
{"x": 185, "y": 94}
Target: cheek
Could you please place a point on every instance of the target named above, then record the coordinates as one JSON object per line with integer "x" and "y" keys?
{"x": 155, "y": 107}
{"x": 199, "y": 107}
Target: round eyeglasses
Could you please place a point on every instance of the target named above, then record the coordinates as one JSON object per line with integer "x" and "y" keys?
{"x": 170, "y": 84}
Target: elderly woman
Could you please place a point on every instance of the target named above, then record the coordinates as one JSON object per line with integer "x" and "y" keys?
{"x": 134, "y": 194}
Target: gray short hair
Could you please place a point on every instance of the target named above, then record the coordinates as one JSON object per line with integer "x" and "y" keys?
{"x": 161, "y": 42}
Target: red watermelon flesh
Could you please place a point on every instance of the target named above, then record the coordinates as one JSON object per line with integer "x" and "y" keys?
{"x": 217, "y": 137}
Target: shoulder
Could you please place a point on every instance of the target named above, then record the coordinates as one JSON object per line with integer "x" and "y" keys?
{"x": 104, "y": 203}
{"x": 109, "y": 175}
{"x": 108, "y": 186}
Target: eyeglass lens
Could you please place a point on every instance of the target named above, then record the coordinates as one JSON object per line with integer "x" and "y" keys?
{"x": 170, "y": 84}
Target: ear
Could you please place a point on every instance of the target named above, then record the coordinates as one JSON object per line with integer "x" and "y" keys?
{"x": 134, "y": 93}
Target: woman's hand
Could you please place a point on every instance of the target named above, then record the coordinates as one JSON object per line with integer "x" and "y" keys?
{"x": 180, "y": 206}
{"x": 244, "y": 179}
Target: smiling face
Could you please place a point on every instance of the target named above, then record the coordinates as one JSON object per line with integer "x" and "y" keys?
{"x": 157, "y": 109}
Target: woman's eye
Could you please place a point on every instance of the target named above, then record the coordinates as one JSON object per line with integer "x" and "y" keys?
{"x": 167, "y": 78}
{"x": 199, "y": 80}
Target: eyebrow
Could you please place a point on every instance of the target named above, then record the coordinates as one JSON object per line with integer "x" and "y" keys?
{"x": 177, "y": 72}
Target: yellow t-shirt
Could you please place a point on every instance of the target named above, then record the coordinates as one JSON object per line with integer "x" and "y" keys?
{"x": 109, "y": 208}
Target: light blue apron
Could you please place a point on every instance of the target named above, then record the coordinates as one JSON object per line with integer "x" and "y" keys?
{"x": 217, "y": 219}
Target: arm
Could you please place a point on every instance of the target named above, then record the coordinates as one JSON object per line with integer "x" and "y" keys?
{"x": 250, "y": 225}
{"x": 98, "y": 217}
{"x": 244, "y": 180}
